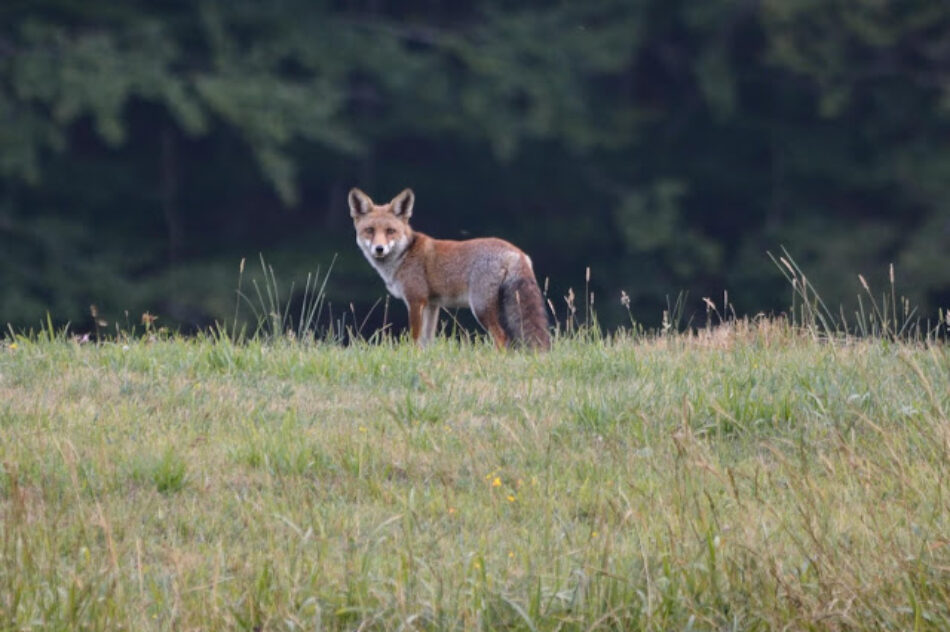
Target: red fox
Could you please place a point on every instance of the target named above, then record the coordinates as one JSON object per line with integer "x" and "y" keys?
{"x": 490, "y": 276}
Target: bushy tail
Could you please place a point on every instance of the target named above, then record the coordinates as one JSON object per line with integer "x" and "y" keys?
{"x": 524, "y": 318}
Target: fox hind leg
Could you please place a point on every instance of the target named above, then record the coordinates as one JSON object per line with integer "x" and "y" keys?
{"x": 484, "y": 298}
{"x": 488, "y": 315}
{"x": 490, "y": 321}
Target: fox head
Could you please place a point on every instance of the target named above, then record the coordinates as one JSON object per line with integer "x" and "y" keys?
{"x": 381, "y": 229}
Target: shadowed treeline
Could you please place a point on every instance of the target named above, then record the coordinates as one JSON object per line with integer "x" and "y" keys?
{"x": 146, "y": 148}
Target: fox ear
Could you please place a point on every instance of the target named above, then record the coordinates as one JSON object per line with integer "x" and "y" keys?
{"x": 360, "y": 203}
{"x": 402, "y": 204}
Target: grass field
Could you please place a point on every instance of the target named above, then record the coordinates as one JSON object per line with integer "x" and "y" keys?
{"x": 747, "y": 478}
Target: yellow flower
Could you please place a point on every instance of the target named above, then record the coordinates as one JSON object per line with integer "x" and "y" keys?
{"x": 13, "y": 345}
{"x": 496, "y": 482}
{"x": 511, "y": 498}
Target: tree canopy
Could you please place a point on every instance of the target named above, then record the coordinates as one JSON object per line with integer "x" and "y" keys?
{"x": 145, "y": 148}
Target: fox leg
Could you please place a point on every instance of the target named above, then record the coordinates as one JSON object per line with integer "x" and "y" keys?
{"x": 484, "y": 299}
{"x": 488, "y": 317}
{"x": 430, "y": 321}
{"x": 423, "y": 318}
{"x": 416, "y": 329}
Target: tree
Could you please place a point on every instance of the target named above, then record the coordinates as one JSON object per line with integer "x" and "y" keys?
{"x": 668, "y": 145}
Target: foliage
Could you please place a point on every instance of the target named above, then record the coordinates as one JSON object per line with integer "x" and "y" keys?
{"x": 667, "y": 145}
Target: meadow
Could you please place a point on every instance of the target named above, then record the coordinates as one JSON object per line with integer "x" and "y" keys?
{"x": 751, "y": 476}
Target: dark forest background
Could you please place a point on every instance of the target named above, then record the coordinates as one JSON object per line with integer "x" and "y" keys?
{"x": 147, "y": 147}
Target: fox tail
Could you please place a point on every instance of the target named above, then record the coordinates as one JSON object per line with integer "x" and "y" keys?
{"x": 524, "y": 318}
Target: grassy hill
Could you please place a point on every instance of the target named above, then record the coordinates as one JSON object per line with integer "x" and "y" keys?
{"x": 749, "y": 477}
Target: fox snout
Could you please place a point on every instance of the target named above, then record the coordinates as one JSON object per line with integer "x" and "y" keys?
{"x": 379, "y": 250}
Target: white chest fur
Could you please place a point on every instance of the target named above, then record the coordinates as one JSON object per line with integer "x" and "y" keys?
{"x": 387, "y": 269}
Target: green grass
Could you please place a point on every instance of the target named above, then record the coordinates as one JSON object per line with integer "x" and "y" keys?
{"x": 747, "y": 478}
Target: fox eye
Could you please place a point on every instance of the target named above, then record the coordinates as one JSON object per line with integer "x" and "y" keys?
{"x": 368, "y": 231}
{"x": 390, "y": 231}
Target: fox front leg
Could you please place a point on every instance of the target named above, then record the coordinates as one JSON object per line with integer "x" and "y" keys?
{"x": 417, "y": 329}
{"x": 430, "y": 321}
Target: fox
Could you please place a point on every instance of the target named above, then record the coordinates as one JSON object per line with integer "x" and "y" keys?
{"x": 490, "y": 276}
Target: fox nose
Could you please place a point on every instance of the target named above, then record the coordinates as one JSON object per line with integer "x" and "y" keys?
{"x": 379, "y": 249}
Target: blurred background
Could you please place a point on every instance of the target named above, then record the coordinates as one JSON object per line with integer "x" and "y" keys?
{"x": 147, "y": 147}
